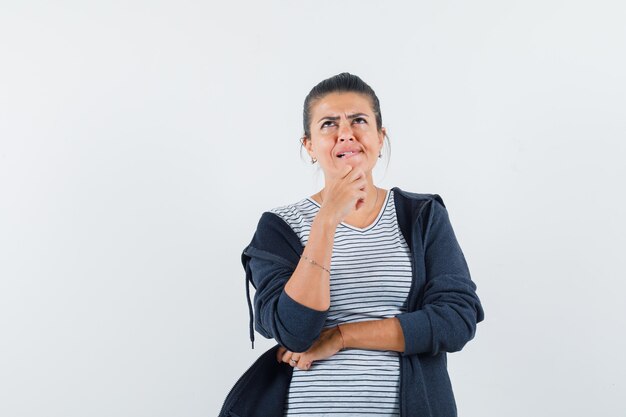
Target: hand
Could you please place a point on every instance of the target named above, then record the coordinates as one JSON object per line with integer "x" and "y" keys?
{"x": 344, "y": 193}
{"x": 329, "y": 343}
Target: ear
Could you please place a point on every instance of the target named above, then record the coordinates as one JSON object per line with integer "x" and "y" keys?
{"x": 381, "y": 136}
{"x": 306, "y": 142}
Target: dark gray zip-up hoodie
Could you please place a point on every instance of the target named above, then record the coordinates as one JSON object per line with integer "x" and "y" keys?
{"x": 442, "y": 306}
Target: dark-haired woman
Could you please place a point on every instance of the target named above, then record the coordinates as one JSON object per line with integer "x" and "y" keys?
{"x": 364, "y": 289}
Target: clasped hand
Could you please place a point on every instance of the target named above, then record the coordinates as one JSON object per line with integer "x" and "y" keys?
{"x": 329, "y": 343}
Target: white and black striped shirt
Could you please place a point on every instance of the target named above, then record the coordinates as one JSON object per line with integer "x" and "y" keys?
{"x": 370, "y": 279}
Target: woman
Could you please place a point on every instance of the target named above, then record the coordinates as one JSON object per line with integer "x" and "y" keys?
{"x": 364, "y": 289}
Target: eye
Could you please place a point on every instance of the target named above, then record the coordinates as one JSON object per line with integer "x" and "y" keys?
{"x": 360, "y": 120}
{"x": 327, "y": 123}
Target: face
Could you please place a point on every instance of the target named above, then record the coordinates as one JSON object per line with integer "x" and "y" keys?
{"x": 343, "y": 132}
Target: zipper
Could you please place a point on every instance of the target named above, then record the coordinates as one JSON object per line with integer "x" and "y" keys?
{"x": 232, "y": 390}
{"x": 401, "y": 397}
{"x": 241, "y": 384}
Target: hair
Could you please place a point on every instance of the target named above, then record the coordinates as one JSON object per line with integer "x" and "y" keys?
{"x": 340, "y": 83}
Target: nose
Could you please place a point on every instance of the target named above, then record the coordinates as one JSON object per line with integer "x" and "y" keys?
{"x": 345, "y": 132}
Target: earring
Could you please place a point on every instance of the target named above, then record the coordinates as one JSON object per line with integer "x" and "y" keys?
{"x": 380, "y": 154}
{"x": 313, "y": 160}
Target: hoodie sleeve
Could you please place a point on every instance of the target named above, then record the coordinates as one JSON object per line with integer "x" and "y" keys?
{"x": 450, "y": 309}
{"x": 270, "y": 260}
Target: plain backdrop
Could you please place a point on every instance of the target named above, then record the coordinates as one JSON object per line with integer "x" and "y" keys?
{"x": 140, "y": 142}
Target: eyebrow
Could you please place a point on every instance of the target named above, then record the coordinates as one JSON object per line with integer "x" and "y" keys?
{"x": 351, "y": 116}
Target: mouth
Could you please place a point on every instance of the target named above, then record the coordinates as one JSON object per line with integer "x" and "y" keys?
{"x": 348, "y": 154}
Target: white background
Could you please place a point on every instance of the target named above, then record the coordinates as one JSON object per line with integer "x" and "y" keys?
{"x": 141, "y": 141}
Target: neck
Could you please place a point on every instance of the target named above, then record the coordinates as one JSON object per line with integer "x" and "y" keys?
{"x": 370, "y": 203}
{"x": 370, "y": 188}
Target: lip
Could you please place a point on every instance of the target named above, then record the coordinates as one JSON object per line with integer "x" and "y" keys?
{"x": 348, "y": 153}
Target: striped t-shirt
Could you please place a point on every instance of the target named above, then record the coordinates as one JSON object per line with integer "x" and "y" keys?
{"x": 370, "y": 279}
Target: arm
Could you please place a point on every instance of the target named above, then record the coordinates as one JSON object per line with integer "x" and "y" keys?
{"x": 276, "y": 314}
{"x": 446, "y": 321}
{"x": 292, "y": 300}
{"x": 450, "y": 309}
{"x": 384, "y": 334}
{"x": 292, "y": 295}
{"x": 310, "y": 284}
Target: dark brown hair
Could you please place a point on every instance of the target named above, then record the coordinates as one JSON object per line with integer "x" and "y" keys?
{"x": 344, "y": 82}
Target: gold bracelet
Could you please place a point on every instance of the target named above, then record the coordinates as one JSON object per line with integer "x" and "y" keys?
{"x": 314, "y": 263}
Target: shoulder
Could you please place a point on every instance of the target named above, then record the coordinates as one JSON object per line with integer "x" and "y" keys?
{"x": 410, "y": 206}
{"x": 296, "y": 213}
{"x": 271, "y": 231}
{"x": 414, "y": 198}
{"x": 414, "y": 211}
{"x": 275, "y": 235}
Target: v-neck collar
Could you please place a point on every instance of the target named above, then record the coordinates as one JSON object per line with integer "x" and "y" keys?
{"x": 374, "y": 223}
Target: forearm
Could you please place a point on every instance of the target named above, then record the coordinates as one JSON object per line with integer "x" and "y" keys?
{"x": 309, "y": 284}
{"x": 385, "y": 334}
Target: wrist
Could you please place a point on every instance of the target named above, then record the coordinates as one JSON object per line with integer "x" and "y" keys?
{"x": 341, "y": 337}
{"x": 327, "y": 220}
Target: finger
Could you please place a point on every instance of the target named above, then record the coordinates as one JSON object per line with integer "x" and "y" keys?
{"x": 287, "y": 356}
{"x": 361, "y": 184}
{"x": 279, "y": 353}
{"x": 300, "y": 360}
{"x": 345, "y": 171}
{"x": 361, "y": 200}
{"x": 352, "y": 175}
{"x": 304, "y": 364}
{"x": 293, "y": 361}
{"x": 356, "y": 176}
